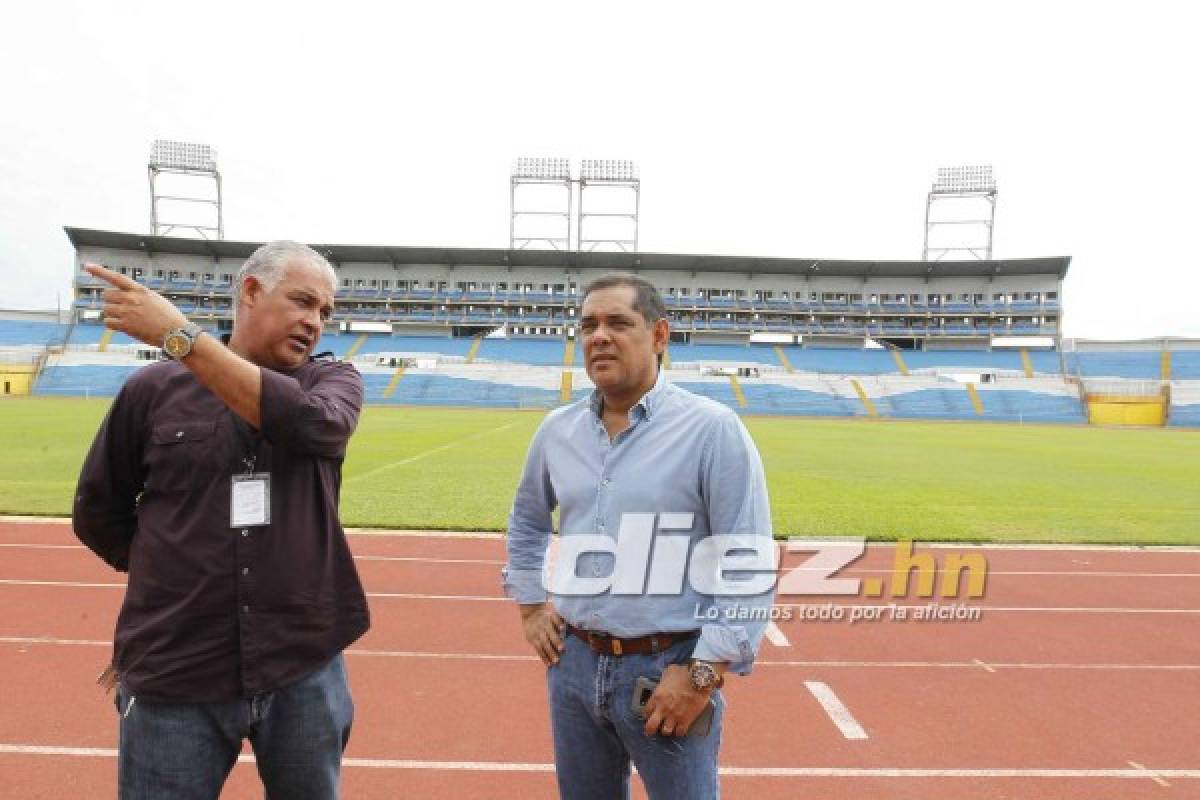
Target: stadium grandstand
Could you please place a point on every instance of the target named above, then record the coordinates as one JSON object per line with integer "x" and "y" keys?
{"x": 970, "y": 340}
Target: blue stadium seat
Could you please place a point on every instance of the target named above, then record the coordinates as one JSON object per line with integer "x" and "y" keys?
{"x": 1185, "y": 365}
{"x": 740, "y": 353}
{"x": 1186, "y": 416}
{"x": 442, "y": 390}
{"x": 30, "y": 332}
{"x": 1139, "y": 364}
{"x": 83, "y": 380}
{"x": 85, "y": 334}
{"x": 524, "y": 351}
{"x": 767, "y": 398}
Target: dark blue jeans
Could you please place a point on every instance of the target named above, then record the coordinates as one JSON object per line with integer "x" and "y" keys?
{"x": 597, "y": 733}
{"x": 185, "y": 751}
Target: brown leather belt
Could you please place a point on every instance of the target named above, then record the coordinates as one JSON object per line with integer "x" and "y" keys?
{"x": 607, "y": 645}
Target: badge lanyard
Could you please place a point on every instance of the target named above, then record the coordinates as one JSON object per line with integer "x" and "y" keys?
{"x": 250, "y": 493}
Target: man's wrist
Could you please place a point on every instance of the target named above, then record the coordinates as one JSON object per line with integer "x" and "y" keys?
{"x": 529, "y": 609}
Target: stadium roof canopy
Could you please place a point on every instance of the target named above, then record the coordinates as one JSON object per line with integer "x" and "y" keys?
{"x": 342, "y": 253}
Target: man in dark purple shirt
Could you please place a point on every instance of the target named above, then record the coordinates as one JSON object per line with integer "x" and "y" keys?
{"x": 214, "y": 483}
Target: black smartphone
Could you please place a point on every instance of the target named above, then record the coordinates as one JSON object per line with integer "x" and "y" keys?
{"x": 643, "y": 687}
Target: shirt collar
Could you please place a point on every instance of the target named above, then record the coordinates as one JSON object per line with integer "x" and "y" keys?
{"x": 649, "y": 403}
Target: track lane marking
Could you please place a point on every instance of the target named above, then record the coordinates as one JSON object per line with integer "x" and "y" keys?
{"x": 501, "y": 598}
{"x": 836, "y": 709}
{"x": 969, "y": 665}
{"x": 776, "y": 636}
{"x": 1149, "y": 774}
{"x": 740, "y": 772}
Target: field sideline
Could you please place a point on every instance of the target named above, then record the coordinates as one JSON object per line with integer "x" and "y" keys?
{"x": 456, "y": 469}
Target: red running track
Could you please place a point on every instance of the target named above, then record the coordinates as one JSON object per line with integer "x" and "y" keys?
{"x": 1078, "y": 681}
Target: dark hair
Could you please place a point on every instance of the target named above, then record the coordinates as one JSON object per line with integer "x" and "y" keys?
{"x": 646, "y": 298}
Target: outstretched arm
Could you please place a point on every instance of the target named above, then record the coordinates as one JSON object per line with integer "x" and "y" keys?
{"x": 147, "y": 316}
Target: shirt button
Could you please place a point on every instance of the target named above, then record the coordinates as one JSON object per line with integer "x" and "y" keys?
{"x": 245, "y": 609}
{"x": 607, "y": 481}
{"x": 245, "y": 531}
{"x": 245, "y": 570}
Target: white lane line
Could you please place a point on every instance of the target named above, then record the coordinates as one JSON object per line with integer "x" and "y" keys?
{"x": 969, "y": 665}
{"x": 432, "y": 451}
{"x": 1011, "y": 573}
{"x": 417, "y": 559}
{"x": 996, "y": 665}
{"x": 52, "y": 640}
{"x": 424, "y": 560}
{"x": 775, "y": 636}
{"x": 1014, "y": 609}
{"x": 501, "y": 562}
{"x": 988, "y": 667}
{"x": 393, "y": 595}
{"x": 1063, "y": 548}
{"x": 501, "y": 598}
{"x": 62, "y": 584}
{"x": 739, "y": 772}
{"x": 488, "y": 598}
{"x": 1149, "y": 774}
{"x": 29, "y": 546}
{"x": 836, "y": 709}
{"x": 18, "y": 519}
{"x": 424, "y": 534}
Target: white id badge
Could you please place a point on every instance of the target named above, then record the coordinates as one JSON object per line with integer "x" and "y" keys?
{"x": 250, "y": 500}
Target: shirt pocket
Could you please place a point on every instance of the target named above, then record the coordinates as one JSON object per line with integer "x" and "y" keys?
{"x": 182, "y": 455}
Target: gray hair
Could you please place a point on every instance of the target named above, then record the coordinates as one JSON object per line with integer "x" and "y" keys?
{"x": 646, "y": 299}
{"x": 269, "y": 263}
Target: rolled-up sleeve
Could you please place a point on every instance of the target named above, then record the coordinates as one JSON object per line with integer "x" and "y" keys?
{"x": 104, "y": 513}
{"x": 735, "y": 492}
{"x": 315, "y": 421}
{"x": 530, "y": 525}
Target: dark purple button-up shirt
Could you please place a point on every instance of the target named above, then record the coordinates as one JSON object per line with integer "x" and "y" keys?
{"x": 213, "y": 612}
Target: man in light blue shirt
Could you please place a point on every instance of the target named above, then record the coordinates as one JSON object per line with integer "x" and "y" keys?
{"x": 661, "y": 495}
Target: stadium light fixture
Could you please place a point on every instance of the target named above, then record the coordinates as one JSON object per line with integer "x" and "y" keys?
{"x": 953, "y": 187}
{"x": 556, "y": 169}
{"x": 976, "y": 178}
{"x": 592, "y": 169}
{"x": 169, "y": 154}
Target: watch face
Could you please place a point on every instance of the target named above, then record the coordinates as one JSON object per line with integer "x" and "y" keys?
{"x": 177, "y": 345}
{"x": 703, "y": 675}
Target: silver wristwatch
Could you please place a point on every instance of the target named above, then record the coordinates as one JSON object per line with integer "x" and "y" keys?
{"x": 178, "y": 342}
{"x": 704, "y": 676}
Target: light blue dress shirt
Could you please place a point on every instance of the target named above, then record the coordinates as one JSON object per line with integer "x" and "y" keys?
{"x": 681, "y": 454}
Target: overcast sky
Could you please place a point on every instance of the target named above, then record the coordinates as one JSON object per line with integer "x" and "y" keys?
{"x": 789, "y": 129}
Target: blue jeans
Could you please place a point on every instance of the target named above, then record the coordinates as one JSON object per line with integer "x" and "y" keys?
{"x": 185, "y": 751}
{"x": 597, "y": 733}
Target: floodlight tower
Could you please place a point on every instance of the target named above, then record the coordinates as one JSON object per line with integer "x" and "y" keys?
{"x": 968, "y": 187}
{"x": 615, "y": 178}
{"x": 198, "y": 162}
{"x": 531, "y": 172}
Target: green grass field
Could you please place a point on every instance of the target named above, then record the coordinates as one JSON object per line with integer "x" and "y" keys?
{"x": 456, "y": 469}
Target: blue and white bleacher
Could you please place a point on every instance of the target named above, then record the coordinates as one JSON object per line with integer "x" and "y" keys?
{"x": 83, "y": 380}
{"x": 17, "y": 333}
{"x": 544, "y": 352}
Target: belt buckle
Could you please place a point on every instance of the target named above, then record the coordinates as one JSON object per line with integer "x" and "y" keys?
{"x": 613, "y": 644}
